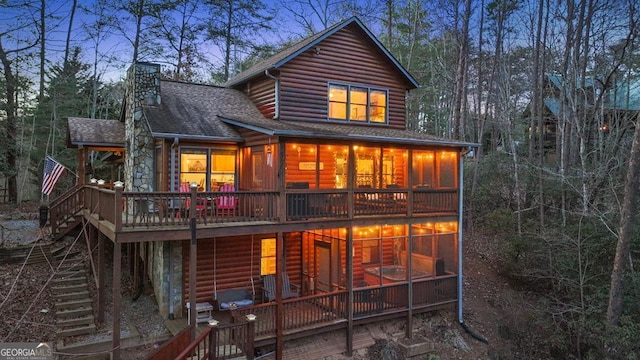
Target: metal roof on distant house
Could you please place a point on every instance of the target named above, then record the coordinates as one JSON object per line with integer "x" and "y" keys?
{"x": 625, "y": 96}
{"x": 291, "y": 52}
{"x": 95, "y": 132}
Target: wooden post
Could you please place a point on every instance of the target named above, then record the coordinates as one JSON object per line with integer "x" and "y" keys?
{"x": 410, "y": 185}
{"x": 279, "y": 311}
{"x": 192, "y": 264}
{"x": 409, "y": 330}
{"x": 117, "y": 297}
{"x": 213, "y": 339}
{"x": 282, "y": 199}
{"x": 251, "y": 328}
{"x": 350, "y": 306}
{"x": 118, "y": 208}
{"x": 351, "y": 181}
{"x": 101, "y": 274}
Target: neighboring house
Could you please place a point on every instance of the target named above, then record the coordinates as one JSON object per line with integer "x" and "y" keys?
{"x": 301, "y": 165}
{"x": 600, "y": 107}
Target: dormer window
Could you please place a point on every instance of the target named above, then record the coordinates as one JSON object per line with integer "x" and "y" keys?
{"x": 357, "y": 103}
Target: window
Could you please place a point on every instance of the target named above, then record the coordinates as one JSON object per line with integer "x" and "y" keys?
{"x": 268, "y": 256}
{"x": 209, "y": 168}
{"x": 357, "y": 103}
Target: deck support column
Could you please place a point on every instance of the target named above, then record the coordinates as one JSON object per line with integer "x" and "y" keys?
{"x": 101, "y": 274}
{"x": 117, "y": 298}
{"x": 192, "y": 278}
{"x": 279, "y": 310}
{"x": 350, "y": 294}
{"x": 409, "y": 328}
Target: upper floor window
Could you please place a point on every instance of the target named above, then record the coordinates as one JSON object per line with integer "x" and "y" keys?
{"x": 357, "y": 103}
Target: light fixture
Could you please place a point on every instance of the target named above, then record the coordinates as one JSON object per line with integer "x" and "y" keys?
{"x": 118, "y": 184}
{"x": 213, "y": 323}
{"x": 251, "y": 317}
{"x": 193, "y": 185}
{"x": 93, "y": 181}
{"x": 101, "y": 182}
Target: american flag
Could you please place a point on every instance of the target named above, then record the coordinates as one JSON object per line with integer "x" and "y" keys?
{"x": 52, "y": 172}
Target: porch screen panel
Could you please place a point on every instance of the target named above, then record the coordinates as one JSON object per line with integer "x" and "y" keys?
{"x": 301, "y": 165}
{"x": 423, "y": 169}
{"x": 446, "y": 246}
{"x": 447, "y": 169}
{"x": 334, "y": 161}
{"x": 394, "y": 167}
{"x": 367, "y": 167}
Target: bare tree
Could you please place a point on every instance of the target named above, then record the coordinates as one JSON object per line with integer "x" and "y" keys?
{"x": 232, "y": 26}
{"x": 179, "y": 30}
{"x": 628, "y": 216}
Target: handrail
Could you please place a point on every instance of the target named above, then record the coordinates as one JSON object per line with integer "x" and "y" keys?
{"x": 65, "y": 206}
{"x": 200, "y": 339}
{"x": 173, "y": 209}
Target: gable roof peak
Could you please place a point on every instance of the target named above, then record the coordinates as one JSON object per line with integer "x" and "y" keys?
{"x": 286, "y": 55}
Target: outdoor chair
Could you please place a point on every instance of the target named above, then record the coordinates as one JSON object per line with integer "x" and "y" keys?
{"x": 226, "y": 204}
{"x": 288, "y": 290}
{"x": 201, "y": 203}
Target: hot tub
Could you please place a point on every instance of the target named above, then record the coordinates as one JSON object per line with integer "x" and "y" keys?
{"x": 391, "y": 274}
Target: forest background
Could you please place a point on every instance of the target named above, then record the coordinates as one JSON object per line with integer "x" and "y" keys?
{"x": 554, "y": 193}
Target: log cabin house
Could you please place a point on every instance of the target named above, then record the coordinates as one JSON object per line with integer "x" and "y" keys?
{"x": 302, "y": 165}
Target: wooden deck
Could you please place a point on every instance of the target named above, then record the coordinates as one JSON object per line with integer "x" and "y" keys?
{"x": 121, "y": 212}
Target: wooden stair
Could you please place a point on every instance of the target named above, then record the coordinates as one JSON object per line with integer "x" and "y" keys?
{"x": 67, "y": 226}
{"x": 73, "y": 303}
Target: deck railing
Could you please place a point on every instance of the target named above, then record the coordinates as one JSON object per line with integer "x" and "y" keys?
{"x": 170, "y": 209}
{"x": 223, "y": 341}
{"x": 443, "y": 289}
{"x": 435, "y": 200}
{"x": 298, "y": 313}
{"x": 65, "y": 206}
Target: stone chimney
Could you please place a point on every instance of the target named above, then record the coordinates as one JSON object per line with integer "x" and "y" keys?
{"x": 143, "y": 89}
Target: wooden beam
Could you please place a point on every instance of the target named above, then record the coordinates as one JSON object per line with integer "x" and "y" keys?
{"x": 117, "y": 298}
{"x": 350, "y": 287}
{"x": 409, "y": 328}
{"x": 193, "y": 258}
{"x": 279, "y": 306}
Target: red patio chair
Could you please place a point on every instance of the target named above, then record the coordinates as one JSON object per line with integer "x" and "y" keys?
{"x": 226, "y": 205}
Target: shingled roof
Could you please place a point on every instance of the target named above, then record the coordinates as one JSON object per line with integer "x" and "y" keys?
{"x": 191, "y": 111}
{"x": 291, "y": 52}
{"x": 324, "y": 130}
{"x": 95, "y": 132}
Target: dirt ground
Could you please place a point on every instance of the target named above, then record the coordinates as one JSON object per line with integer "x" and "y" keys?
{"x": 498, "y": 316}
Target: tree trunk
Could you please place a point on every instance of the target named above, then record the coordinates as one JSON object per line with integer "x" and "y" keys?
{"x": 463, "y": 53}
{"x": 10, "y": 144}
{"x": 625, "y": 232}
{"x": 43, "y": 57}
{"x": 74, "y": 5}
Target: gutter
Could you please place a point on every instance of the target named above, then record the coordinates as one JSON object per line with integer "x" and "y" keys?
{"x": 174, "y": 148}
{"x": 276, "y": 110}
